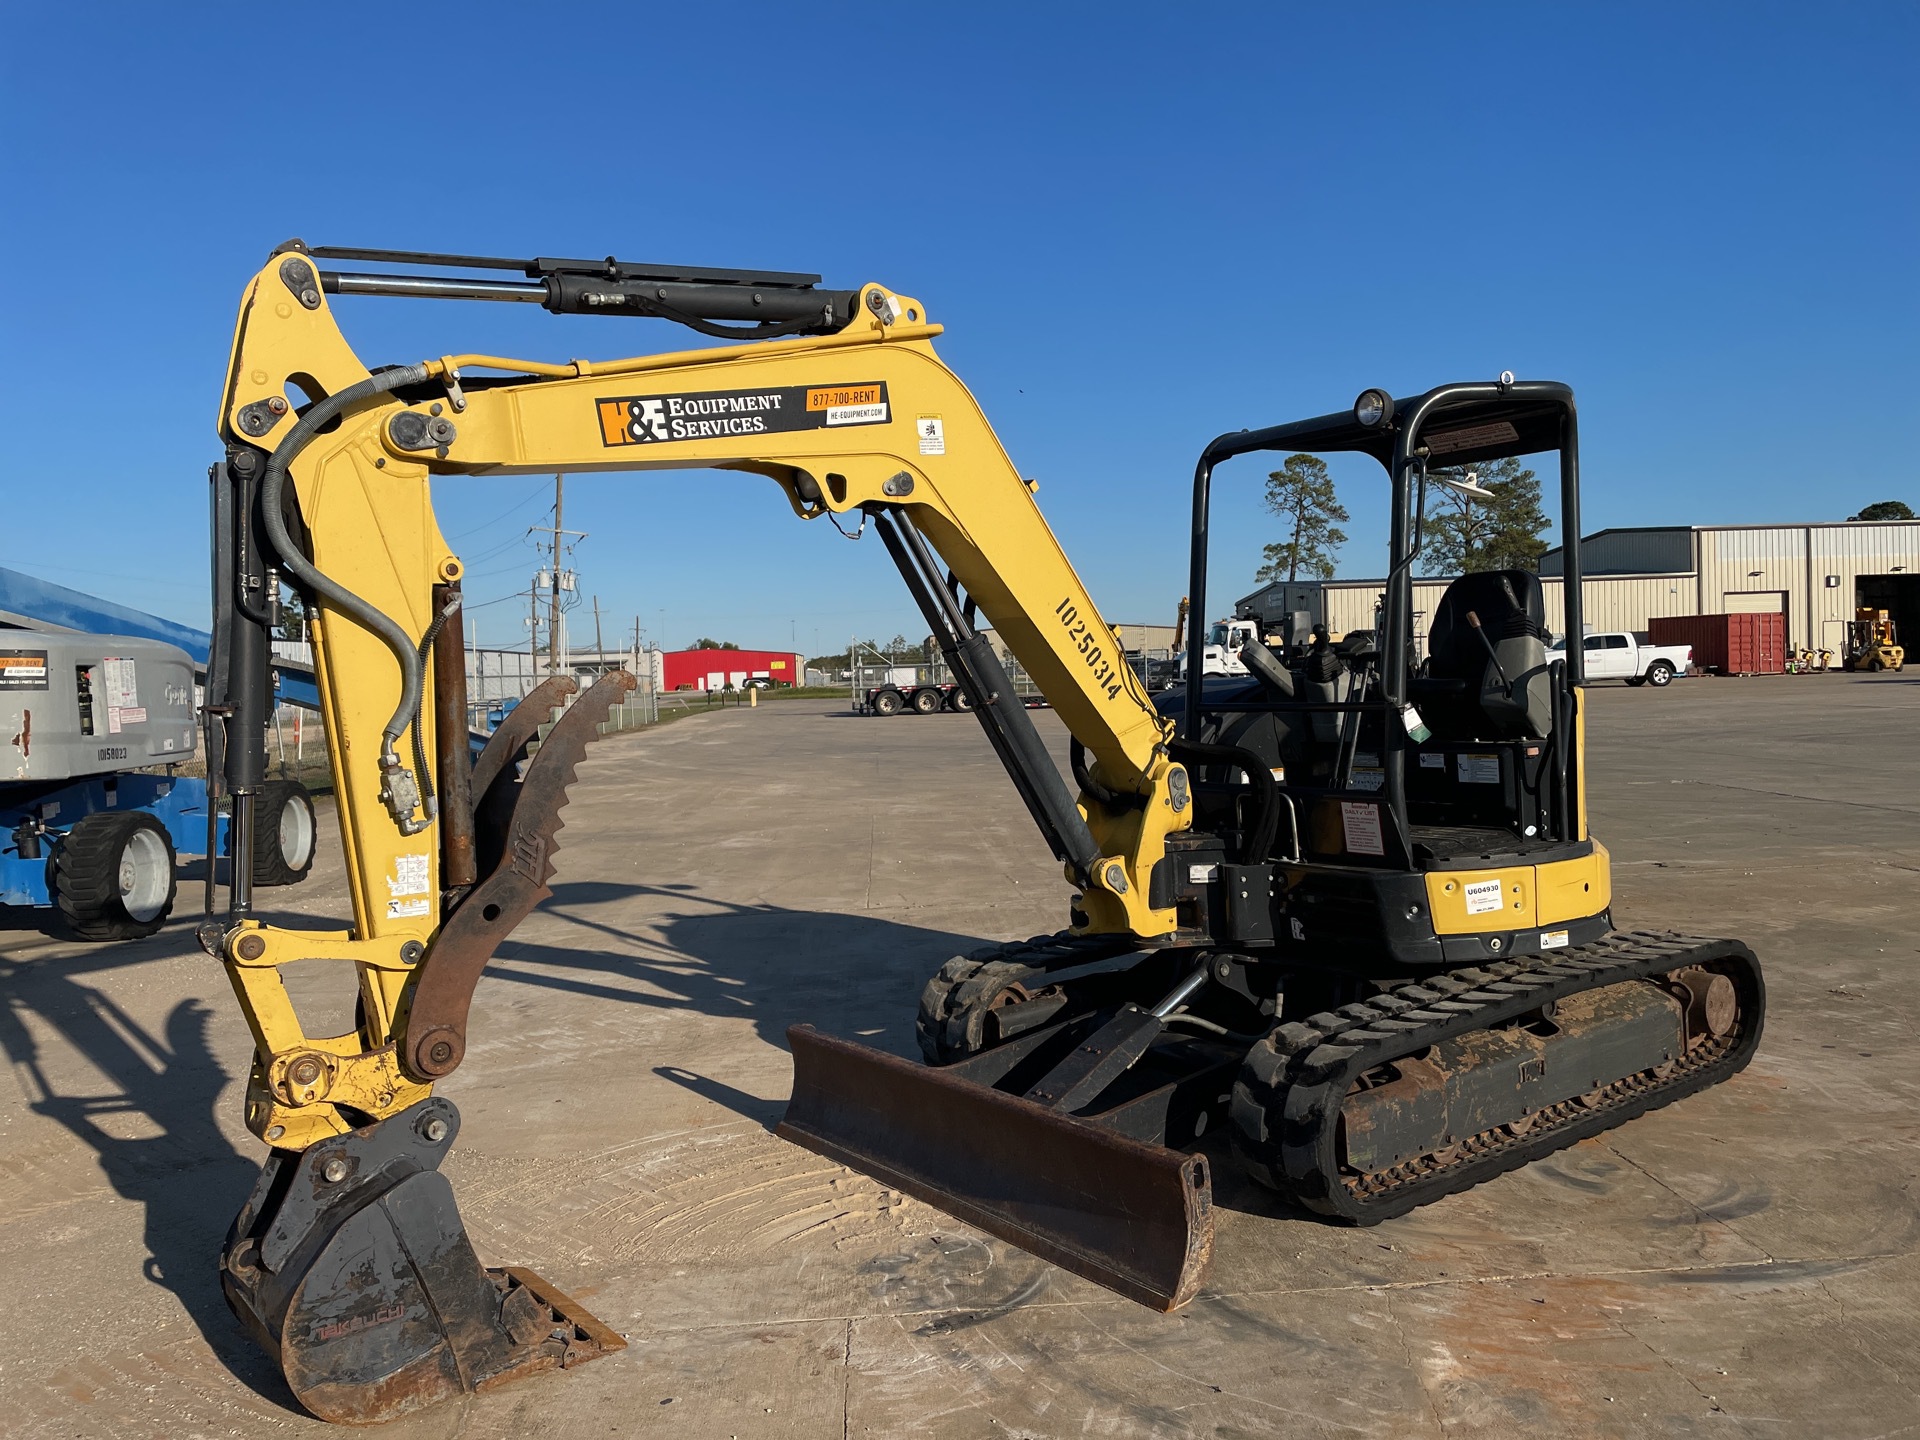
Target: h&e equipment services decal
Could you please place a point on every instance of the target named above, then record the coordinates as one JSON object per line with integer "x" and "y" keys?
{"x": 716, "y": 414}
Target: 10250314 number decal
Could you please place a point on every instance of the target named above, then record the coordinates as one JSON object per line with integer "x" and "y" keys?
{"x": 1081, "y": 637}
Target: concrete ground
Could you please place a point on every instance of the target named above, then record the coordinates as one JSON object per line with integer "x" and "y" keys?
{"x": 1743, "y": 1263}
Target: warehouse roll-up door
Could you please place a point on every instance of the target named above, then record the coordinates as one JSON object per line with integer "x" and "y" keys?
{"x": 1754, "y": 602}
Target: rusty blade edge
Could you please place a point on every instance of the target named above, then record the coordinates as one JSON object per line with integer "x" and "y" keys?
{"x": 1178, "y": 1180}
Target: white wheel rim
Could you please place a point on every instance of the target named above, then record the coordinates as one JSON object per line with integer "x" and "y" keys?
{"x": 146, "y": 877}
{"x": 296, "y": 833}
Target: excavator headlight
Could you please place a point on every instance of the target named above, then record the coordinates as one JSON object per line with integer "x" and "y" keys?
{"x": 1373, "y": 408}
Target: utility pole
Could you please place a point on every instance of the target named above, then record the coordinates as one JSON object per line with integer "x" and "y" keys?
{"x": 533, "y": 634}
{"x": 599, "y": 645}
{"x": 553, "y": 614}
{"x": 555, "y": 577}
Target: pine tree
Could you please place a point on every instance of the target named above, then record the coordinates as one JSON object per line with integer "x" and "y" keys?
{"x": 1885, "y": 510}
{"x": 1463, "y": 535}
{"x": 1300, "y": 492}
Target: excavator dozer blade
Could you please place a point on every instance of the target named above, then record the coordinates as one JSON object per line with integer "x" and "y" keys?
{"x": 1133, "y": 1217}
{"x": 350, "y": 1266}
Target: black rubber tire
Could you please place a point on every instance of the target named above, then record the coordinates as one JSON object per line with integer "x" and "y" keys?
{"x": 1875, "y": 665}
{"x": 958, "y": 700}
{"x": 284, "y": 833}
{"x": 1659, "y": 674}
{"x": 925, "y": 702}
{"x": 93, "y": 885}
{"x": 1636, "y": 680}
{"x": 888, "y": 702}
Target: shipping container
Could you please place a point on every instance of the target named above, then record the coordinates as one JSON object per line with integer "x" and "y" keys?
{"x": 1754, "y": 643}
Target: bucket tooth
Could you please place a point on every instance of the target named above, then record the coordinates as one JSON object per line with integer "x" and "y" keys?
{"x": 349, "y": 1264}
{"x": 1134, "y": 1217}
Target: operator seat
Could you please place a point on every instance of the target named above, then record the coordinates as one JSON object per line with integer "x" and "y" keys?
{"x": 1464, "y": 697}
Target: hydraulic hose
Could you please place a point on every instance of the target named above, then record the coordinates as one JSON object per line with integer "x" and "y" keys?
{"x": 1112, "y": 799}
{"x": 1257, "y": 844}
{"x": 337, "y": 595}
{"x": 429, "y": 803}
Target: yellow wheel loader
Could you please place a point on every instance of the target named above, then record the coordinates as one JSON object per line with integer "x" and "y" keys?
{"x": 1345, "y": 911}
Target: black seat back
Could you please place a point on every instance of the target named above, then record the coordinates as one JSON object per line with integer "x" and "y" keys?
{"x": 1512, "y": 617}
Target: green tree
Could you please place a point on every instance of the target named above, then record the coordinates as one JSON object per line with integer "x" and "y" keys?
{"x": 293, "y": 615}
{"x": 1885, "y": 510}
{"x": 1464, "y": 535}
{"x": 900, "y": 648}
{"x": 703, "y": 643}
{"x": 1300, "y": 492}
{"x": 842, "y": 660}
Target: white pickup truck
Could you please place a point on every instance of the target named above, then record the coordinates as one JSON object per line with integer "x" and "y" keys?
{"x": 1632, "y": 657}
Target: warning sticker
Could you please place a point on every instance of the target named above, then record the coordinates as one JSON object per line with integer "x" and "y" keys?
{"x": 1553, "y": 940}
{"x": 1474, "y": 437}
{"x": 409, "y": 876}
{"x": 117, "y": 683}
{"x": 1483, "y": 897}
{"x": 932, "y": 431}
{"x": 133, "y": 715}
{"x": 1478, "y": 769}
{"x": 716, "y": 414}
{"x": 1361, "y": 823}
{"x": 23, "y": 669}
{"x": 1433, "y": 762}
{"x": 407, "y": 909}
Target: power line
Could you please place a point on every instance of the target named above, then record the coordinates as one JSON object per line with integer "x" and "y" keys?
{"x": 519, "y": 506}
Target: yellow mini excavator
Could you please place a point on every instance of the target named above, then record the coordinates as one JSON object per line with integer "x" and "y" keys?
{"x": 1344, "y": 911}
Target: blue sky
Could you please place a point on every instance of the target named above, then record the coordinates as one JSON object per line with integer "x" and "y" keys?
{"x": 1142, "y": 226}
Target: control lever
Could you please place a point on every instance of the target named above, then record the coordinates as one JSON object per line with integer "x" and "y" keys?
{"x": 1473, "y": 619}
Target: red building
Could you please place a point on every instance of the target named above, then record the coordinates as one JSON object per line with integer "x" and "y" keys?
{"x": 715, "y": 669}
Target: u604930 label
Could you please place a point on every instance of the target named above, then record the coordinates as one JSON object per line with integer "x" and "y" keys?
{"x": 1081, "y": 636}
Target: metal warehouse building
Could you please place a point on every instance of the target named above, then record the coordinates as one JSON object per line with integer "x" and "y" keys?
{"x": 1816, "y": 575}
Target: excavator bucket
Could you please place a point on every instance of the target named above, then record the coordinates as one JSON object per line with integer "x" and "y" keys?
{"x": 349, "y": 1262}
{"x": 1134, "y": 1217}
{"x": 350, "y": 1266}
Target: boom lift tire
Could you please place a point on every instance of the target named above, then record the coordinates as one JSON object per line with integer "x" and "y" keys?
{"x": 112, "y": 876}
{"x": 283, "y": 834}
{"x": 925, "y": 702}
{"x": 888, "y": 702}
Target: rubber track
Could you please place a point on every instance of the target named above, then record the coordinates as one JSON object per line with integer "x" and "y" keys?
{"x": 954, "y": 1004}
{"x": 1300, "y": 1075}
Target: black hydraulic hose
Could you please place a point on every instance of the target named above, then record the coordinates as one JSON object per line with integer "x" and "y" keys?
{"x": 297, "y": 564}
{"x": 1083, "y": 777}
{"x": 1257, "y": 848}
{"x": 424, "y": 770}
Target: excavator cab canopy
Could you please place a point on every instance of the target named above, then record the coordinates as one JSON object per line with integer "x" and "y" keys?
{"x": 1448, "y": 427}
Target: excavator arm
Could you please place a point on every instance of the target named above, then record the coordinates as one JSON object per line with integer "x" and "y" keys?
{"x": 325, "y": 486}
{"x": 866, "y": 419}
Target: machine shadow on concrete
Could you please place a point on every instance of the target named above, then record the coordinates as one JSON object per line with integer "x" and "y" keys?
{"x": 175, "y": 1163}
{"x": 857, "y": 976}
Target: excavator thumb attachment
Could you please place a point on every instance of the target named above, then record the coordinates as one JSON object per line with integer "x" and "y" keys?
{"x": 350, "y": 1266}
{"x": 1135, "y": 1217}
